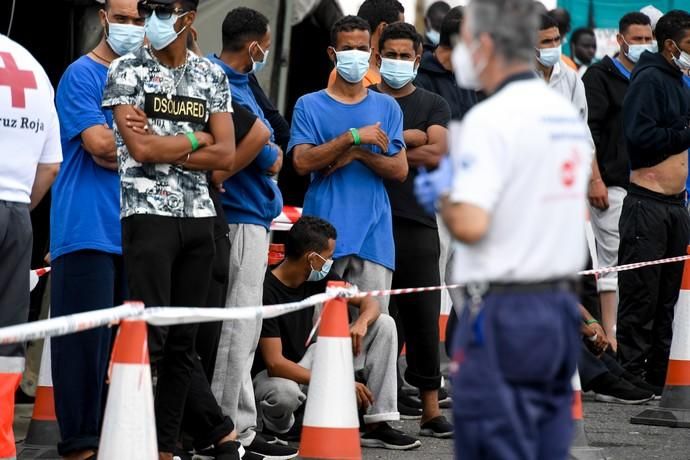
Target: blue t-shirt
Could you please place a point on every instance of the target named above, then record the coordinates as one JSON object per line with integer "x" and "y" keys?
{"x": 85, "y": 210}
{"x": 354, "y": 198}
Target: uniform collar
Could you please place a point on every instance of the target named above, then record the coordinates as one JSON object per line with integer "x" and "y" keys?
{"x": 513, "y": 78}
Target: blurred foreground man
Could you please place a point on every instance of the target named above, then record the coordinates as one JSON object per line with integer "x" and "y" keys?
{"x": 520, "y": 158}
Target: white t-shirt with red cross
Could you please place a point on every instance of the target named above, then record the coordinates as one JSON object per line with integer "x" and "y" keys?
{"x": 29, "y": 127}
{"x": 523, "y": 155}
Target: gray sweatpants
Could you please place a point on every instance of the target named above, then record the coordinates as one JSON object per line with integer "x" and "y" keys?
{"x": 366, "y": 275}
{"x": 605, "y": 228}
{"x": 277, "y": 398}
{"x": 232, "y": 381}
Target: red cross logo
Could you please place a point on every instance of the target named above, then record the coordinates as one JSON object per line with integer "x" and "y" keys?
{"x": 18, "y": 80}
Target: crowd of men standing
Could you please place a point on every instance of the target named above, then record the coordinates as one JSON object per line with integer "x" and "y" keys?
{"x": 168, "y": 186}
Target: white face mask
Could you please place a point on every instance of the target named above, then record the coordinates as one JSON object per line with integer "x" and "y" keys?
{"x": 466, "y": 74}
{"x": 548, "y": 57}
{"x": 683, "y": 60}
{"x": 635, "y": 51}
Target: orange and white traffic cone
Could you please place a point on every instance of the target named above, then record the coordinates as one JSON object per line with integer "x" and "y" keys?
{"x": 129, "y": 427}
{"x": 579, "y": 449}
{"x": 331, "y": 426}
{"x": 674, "y": 407}
{"x": 276, "y": 254}
{"x": 10, "y": 375}
{"x": 44, "y": 433}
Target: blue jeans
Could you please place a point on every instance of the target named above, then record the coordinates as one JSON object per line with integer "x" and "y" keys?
{"x": 512, "y": 367}
{"x": 82, "y": 281}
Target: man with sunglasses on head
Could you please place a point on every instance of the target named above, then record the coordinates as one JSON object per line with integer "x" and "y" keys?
{"x": 166, "y": 212}
{"x": 85, "y": 246}
{"x": 250, "y": 202}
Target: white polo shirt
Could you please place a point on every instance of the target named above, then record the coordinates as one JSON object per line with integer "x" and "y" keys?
{"x": 522, "y": 155}
{"x": 29, "y": 128}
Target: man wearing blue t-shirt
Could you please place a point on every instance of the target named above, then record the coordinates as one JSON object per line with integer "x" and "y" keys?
{"x": 350, "y": 139}
{"x": 85, "y": 243}
{"x": 250, "y": 202}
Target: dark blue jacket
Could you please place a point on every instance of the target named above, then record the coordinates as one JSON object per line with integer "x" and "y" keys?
{"x": 656, "y": 112}
{"x": 251, "y": 196}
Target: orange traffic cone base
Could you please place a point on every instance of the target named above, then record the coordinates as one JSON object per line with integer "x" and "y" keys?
{"x": 317, "y": 442}
{"x": 674, "y": 418}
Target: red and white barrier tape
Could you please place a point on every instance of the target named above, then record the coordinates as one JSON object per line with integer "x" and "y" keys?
{"x": 622, "y": 268}
{"x": 288, "y": 216}
{"x": 34, "y": 275}
{"x": 64, "y": 325}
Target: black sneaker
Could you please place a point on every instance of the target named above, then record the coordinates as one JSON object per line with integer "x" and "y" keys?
{"x": 409, "y": 413}
{"x": 437, "y": 427}
{"x": 230, "y": 450}
{"x": 612, "y": 389}
{"x": 387, "y": 437}
{"x": 642, "y": 383}
{"x": 444, "y": 399}
{"x": 271, "y": 451}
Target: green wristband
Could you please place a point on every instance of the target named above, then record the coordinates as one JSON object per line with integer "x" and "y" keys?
{"x": 355, "y": 136}
{"x": 195, "y": 142}
{"x": 591, "y": 321}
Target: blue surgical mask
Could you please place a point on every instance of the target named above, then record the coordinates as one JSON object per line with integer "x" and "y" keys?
{"x": 548, "y": 57}
{"x": 124, "y": 38}
{"x": 397, "y": 73}
{"x": 161, "y": 32}
{"x": 434, "y": 36}
{"x": 635, "y": 51}
{"x": 318, "y": 275}
{"x": 352, "y": 65}
{"x": 258, "y": 66}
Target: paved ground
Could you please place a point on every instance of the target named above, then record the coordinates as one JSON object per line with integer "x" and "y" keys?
{"x": 607, "y": 426}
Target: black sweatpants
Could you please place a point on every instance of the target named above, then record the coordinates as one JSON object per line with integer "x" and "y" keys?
{"x": 168, "y": 262}
{"x": 652, "y": 226}
{"x": 417, "y": 251}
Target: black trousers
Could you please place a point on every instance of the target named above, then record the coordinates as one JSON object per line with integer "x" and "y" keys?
{"x": 652, "y": 226}
{"x": 168, "y": 262}
{"x": 417, "y": 251}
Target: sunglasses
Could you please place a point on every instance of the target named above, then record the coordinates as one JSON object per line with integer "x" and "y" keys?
{"x": 162, "y": 11}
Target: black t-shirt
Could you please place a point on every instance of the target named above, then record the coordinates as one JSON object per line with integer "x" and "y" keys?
{"x": 420, "y": 109}
{"x": 242, "y": 120}
{"x": 292, "y": 328}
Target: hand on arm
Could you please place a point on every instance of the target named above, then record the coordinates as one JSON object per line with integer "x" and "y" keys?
{"x": 414, "y": 138}
{"x": 218, "y": 148}
{"x": 151, "y": 148}
{"x": 278, "y": 365}
{"x": 388, "y": 167}
{"x": 429, "y": 154}
{"x": 593, "y": 332}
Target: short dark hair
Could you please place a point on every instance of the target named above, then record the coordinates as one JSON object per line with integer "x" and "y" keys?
{"x": 400, "y": 30}
{"x": 241, "y": 25}
{"x": 672, "y": 26}
{"x": 437, "y": 11}
{"x": 347, "y": 24}
{"x": 562, "y": 17}
{"x": 633, "y": 19}
{"x": 377, "y": 11}
{"x": 308, "y": 234}
{"x": 451, "y": 26}
{"x": 579, "y": 33}
{"x": 547, "y": 22}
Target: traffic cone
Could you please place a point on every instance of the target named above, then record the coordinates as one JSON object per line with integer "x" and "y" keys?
{"x": 44, "y": 433}
{"x": 10, "y": 375}
{"x": 579, "y": 449}
{"x": 34, "y": 276}
{"x": 331, "y": 426}
{"x": 674, "y": 407}
{"x": 129, "y": 428}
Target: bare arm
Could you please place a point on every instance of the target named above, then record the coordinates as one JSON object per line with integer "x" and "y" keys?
{"x": 388, "y": 167}
{"x": 430, "y": 154}
{"x": 151, "y": 148}
{"x": 45, "y": 175}
{"x": 278, "y": 365}
{"x": 308, "y": 158}
{"x": 219, "y": 155}
{"x": 245, "y": 152}
{"x": 99, "y": 141}
{"x": 466, "y": 222}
